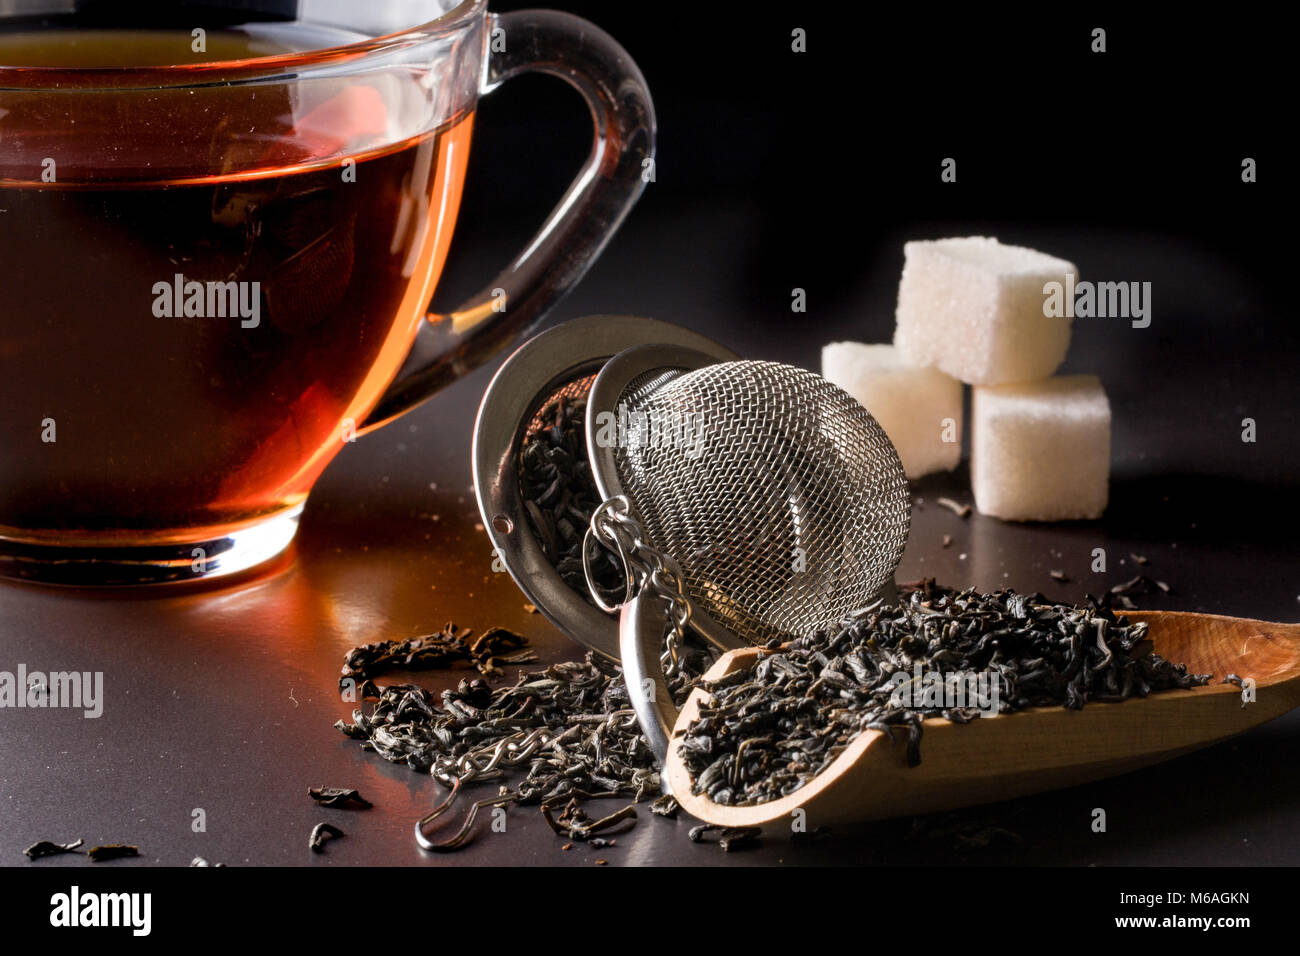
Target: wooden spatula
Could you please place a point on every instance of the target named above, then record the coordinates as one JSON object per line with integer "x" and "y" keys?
{"x": 1010, "y": 755}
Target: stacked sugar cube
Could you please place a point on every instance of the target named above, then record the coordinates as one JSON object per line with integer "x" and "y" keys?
{"x": 971, "y": 310}
{"x": 1040, "y": 451}
{"x": 918, "y": 407}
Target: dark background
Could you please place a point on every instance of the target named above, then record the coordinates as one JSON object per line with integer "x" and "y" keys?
{"x": 775, "y": 170}
{"x": 778, "y": 170}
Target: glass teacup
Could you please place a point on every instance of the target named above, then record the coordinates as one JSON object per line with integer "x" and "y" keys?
{"x": 218, "y": 245}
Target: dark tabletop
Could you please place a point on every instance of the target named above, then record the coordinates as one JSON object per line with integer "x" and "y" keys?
{"x": 224, "y": 698}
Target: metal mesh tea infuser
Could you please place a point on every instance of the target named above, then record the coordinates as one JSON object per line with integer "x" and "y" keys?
{"x": 751, "y": 500}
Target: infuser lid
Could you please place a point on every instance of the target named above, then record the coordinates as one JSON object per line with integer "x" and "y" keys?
{"x": 563, "y": 360}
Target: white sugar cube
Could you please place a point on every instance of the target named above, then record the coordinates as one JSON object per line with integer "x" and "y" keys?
{"x": 975, "y": 309}
{"x": 919, "y": 408}
{"x": 1041, "y": 452}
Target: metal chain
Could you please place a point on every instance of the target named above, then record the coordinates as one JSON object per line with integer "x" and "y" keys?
{"x": 486, "y": 762}
{"x": 645, "y": 568}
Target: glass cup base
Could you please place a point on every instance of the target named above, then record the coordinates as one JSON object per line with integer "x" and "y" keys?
{"x": 125, "y": 565}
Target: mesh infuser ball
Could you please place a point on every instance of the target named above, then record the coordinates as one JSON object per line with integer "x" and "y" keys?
{"x": 779, "y": 496}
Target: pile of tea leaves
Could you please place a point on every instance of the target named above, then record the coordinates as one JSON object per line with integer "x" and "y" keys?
{"x": 555, "y": 738}
{"x": 769, "y": 730}
{"x": 560, "y": 496}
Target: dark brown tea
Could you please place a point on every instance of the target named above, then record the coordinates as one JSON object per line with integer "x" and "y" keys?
{"x": 202, "y": 303}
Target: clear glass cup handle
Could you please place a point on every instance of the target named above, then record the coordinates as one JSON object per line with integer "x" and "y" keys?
{"x": 543, "y": 41}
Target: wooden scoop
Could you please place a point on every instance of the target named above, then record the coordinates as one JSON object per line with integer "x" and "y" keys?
{"x": 1042, "y": 748}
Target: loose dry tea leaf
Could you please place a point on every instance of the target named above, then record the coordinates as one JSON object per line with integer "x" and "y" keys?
{"x": 48, "y": 848}
{"x": 961, "y": 511}
{"x": 1059, "y": 576}
{"x": 321, "y": 834}
{"x": 728, "y": 838}
{"x": 574, "y": 822}
{"x": 1141, "y": 584}
{"x": 449, "y": 646}
{"x": 560, "y": 496}
{"x": 767, "y": 731}
{"x": 665, "y": 806}
{"x": 112, "y": 851}
{"x": 339, "y": 797}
